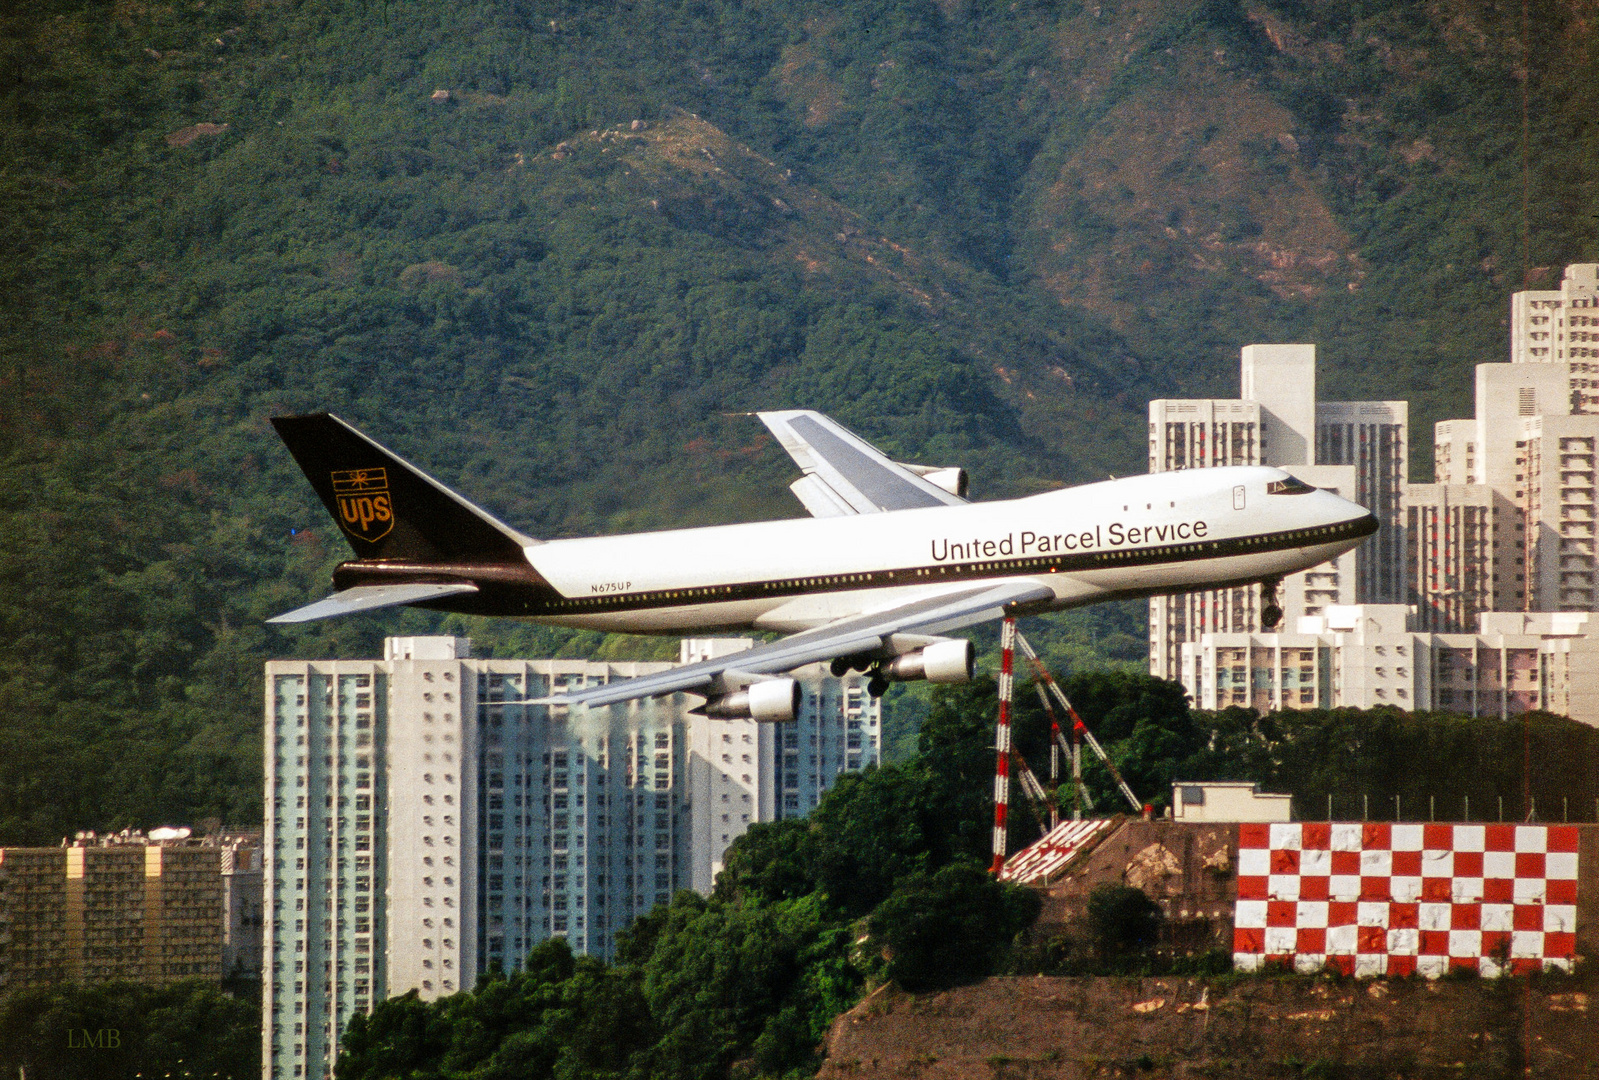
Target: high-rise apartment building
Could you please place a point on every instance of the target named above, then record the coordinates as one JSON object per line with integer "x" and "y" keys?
{"x": 430, "y": 820}
{"x": 1505, "y": 532}
{"x": 105, "y": 908}
{"x": 1371, "y": 437}
{"x": 1509, "y": 524}
{"x": 1464, "y": 555}
{"x": 1560, "y": 325}
{"x": 741, "y": 771}
{"x": 1357, "y": 449}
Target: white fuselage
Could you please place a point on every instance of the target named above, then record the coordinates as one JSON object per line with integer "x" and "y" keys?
{"x": 1161, "y": 533}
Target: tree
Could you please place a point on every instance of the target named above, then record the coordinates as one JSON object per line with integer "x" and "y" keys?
{"x": 771, "y": 861}
{"x": 402, "y": 1036}
{"x": 558, "y": 1017}
{"x": 949, "y": 928}
{"x": 124, "y": 1030}
{"x": 727, "y": 979}
{"x": 1144, "y": 724}
{"x": 870, "y": 832}
{"x": 957, "y": 755}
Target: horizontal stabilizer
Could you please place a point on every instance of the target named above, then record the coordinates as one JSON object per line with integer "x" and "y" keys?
{"x": 369, "y": 598}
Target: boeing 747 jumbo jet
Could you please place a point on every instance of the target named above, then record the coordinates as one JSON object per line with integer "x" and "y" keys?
{"x": 892, "y": 559}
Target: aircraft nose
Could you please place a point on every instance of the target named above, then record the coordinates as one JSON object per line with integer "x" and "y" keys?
{"x": 1350, "y": 517}
{"x": 1356, "y": 520}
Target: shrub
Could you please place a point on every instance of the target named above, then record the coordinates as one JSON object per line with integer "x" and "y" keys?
{"x": 1122, "y": 920}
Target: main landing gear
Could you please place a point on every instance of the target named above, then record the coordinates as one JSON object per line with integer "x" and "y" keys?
{"x": 939, "y": 660}
{"x": 1271, "y": 612}
{"x": 843, "y": 665}
{"x": 876, "y": 685}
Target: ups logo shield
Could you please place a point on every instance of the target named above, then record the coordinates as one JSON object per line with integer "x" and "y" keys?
{"x": 365, "y": 510}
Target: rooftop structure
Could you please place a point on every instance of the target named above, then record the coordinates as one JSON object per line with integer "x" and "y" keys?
{"x": 1226, "y": 800}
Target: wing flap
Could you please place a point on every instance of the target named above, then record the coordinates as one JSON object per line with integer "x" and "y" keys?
{"x": 370, "y": 598}
{"x": 851, "y": 636}
{"x": 819, "y": 499}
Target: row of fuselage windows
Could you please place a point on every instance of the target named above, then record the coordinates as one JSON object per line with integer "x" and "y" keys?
{"x": 1090, "y": 560}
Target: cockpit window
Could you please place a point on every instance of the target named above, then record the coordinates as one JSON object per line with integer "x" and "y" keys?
{"x": 1291, "y": 486}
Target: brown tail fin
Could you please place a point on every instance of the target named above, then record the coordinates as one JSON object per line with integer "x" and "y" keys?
{"x": 387, "y": 508}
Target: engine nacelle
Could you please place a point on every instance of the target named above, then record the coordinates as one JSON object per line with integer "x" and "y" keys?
{"x": 952, "y": 479}
{"x": 771, "y": 701}
{"x": 941, "y": 662}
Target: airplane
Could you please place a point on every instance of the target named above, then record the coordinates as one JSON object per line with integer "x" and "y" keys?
{"x": 892, "y": 559}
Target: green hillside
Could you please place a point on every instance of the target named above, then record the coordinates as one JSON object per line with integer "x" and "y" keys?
{"x": 545, "y": 249}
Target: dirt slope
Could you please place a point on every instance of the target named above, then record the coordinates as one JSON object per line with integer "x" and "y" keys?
{"x": 1245, "y": 1028}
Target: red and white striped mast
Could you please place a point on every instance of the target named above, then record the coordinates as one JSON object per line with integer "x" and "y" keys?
{"x": 1078, "y": 727}
{"x": 1002, "y": 743}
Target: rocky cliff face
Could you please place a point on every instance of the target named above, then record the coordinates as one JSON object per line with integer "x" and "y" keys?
{"x": 1185, "y": 867}
{"x": 1245, "y": 1028}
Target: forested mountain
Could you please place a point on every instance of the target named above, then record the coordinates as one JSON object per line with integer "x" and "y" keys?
{"x": 545, "y": 249}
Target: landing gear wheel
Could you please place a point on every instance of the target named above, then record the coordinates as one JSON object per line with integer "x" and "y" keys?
{"x": 877, "y": 686}
{"x": 839, "y": 667}
{"x": 1271, "y": 613}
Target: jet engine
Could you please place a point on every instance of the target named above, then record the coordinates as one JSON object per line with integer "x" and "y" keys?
{"x": 941, "y": 662}
{"x": 951, "y": 478}
{"x": 770, "y": 701}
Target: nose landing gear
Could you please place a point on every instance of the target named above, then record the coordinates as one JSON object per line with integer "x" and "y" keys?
{"x": 1271, "y": 613}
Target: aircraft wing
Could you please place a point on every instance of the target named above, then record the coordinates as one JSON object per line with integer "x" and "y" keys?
{"x": 850, "y": 636}
{"x": 845, "y": 474}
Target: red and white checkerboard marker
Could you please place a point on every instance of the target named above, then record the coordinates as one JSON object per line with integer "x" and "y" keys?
{"x": 1376, "y": 898}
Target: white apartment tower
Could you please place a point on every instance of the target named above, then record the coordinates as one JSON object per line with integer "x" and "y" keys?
{"x": 1357, "y": 449}
{"x": 1559, "y": 325}
{"x": 428, "y": 821}
{"x": 325, "y": 850}
{"x": 741, "y": 771}
{"x": 1509, "y": 523}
